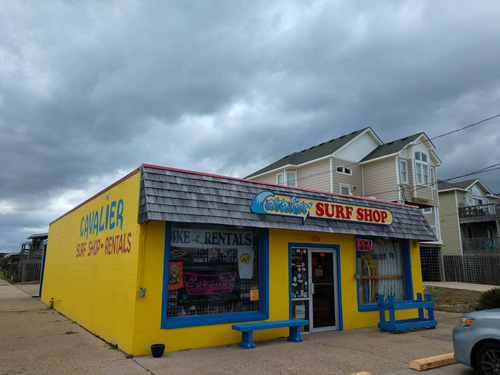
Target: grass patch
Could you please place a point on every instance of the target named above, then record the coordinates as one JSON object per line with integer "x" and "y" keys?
{"x": 453, "y": 300}
{"x": 3, "y": 277}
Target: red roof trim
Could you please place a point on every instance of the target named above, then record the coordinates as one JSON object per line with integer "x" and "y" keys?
{"x": 224, "y": 177}
{"x": 271, "y": 184}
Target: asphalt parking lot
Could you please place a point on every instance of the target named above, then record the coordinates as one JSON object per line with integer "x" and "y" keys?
{"x": 37, "y": 340}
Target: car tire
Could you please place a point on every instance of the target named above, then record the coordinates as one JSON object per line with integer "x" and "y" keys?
{"x": 488, "y": 359}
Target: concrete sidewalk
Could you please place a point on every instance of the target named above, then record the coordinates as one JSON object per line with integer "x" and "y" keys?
{"x": 463, "y": 286}
{"x": 36, "y": 340}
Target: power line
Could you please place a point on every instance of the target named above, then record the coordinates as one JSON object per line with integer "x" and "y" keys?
{"x": 466, "y": 127}
{"x": 429, "y": 139}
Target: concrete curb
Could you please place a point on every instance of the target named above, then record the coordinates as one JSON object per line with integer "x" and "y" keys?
{"x": 433, "y": 362}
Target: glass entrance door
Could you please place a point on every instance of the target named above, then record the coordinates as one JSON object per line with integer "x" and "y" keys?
{"x": 314, "y": 295}
{"x": 322, "y": 276}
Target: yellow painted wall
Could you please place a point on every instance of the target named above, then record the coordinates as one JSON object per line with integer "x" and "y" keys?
{"x": 148, "y": 310}
{"x": 97, "y": 289}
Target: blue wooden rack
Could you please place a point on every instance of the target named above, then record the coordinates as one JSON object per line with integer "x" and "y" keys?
{"x": 392, "y": 306}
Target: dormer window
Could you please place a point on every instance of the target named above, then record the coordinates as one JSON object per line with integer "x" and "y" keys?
{"x": 421, "y": 168}
{"x": 344, "y": 170}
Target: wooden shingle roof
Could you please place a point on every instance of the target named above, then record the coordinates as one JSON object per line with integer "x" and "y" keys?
{"x": 193, "y": 198}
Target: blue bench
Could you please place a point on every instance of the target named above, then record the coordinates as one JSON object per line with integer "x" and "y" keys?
{"x": 394, "y": 325}
{"x": 247, "y": 330}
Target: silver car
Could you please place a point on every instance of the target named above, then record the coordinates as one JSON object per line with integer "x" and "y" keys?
{"x": 476, "y": 341}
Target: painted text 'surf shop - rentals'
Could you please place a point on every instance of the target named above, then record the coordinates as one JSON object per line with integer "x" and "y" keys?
{"x": 178, "y": 257}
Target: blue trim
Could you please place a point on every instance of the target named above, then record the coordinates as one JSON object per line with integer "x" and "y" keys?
{"x": 44, "y": 254}
{"x": 407, "y": 278}
{"x": 166, "y": 260}
{"x": 290, "y": 306}
{"x": 200, "y": 320}
{"x": 339, "y": 293}
{"x": 340, "y": 325}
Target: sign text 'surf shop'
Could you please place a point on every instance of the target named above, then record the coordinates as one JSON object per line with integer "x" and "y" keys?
{"x": 108, "y": 217}
{"x": 268, "y": 203}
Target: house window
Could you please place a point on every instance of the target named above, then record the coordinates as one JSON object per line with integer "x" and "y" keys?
{"x": 344, "y": 170}
{"x": 433, "y": 178}
{"x": 403, "y": 171}
{"x": 469, "y": 231}
{"x": 421, "y": 168}
{"x": 279, "y": 178}
{"x": 291, "y": 179}
{"x": 381, "y": 271}
{"x": 345, "y": 189}
{"x": 427, "y": 210}
{"x": 213, "y": 275}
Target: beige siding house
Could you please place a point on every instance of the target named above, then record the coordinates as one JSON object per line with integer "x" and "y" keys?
{"x": 470, "y": 218}
{"x": 450, "y": 226}
{"x": 359, "y": 163}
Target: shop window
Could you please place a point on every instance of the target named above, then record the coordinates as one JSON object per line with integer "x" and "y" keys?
{"x": 214, "y": 275}
{"x": 382, "y": 268}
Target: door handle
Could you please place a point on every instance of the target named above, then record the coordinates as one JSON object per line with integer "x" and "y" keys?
{"x": 312, "y": 288}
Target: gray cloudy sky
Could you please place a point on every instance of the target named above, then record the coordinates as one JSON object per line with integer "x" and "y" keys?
{"x": 90, "y": 90}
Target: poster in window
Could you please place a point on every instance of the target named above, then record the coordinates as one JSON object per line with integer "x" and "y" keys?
{"x": 299, "y": 273}
{"x": 245, "y": 262}
{"x": 175, "y": 276}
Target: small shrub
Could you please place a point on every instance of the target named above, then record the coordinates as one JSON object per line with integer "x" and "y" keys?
{"x": 489, "y": 299}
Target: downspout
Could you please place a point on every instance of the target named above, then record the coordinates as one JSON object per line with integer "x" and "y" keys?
{"x": 458, "y": 224}
{"x": 44, "y": 254}
{"x": 363, "y": 180}
{"x": 398, "y": 182}
{"x": 331, "y": 174}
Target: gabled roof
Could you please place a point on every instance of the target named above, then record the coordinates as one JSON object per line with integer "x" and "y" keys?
{"x": 313, "y": 153}
{"x": 390, "y": 148}
{"x": 462, "y": 185}
{"x": 177, "y": 196}
{"x": 394, "y": 147}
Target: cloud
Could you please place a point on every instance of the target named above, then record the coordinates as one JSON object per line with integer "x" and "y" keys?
{"x": 91, "y": 90}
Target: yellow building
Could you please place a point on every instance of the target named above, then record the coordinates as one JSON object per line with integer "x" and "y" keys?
{"x": 177, "y": 257}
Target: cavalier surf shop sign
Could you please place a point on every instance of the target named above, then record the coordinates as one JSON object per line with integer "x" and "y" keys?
{"x": 268, "y": 203}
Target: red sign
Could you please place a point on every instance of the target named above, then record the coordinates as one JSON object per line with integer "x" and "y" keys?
{"x": 364, "y": 244}
{"x": 198, "y": 284}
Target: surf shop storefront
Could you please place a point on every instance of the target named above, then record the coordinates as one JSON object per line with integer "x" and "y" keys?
{"x": 177, "y": 257}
